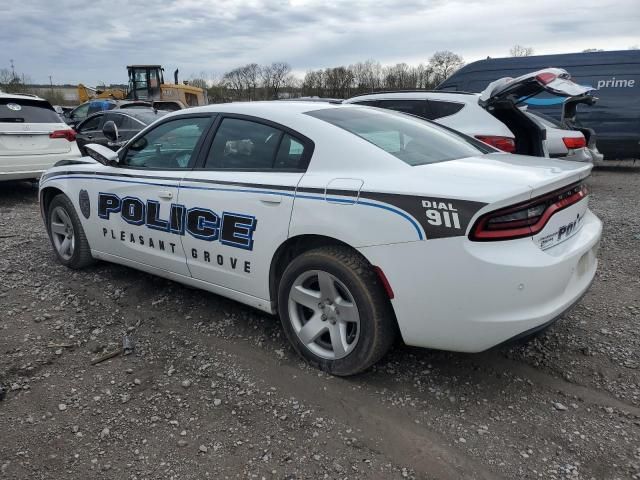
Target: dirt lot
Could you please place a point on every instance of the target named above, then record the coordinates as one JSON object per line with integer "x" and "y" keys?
{"x": 212, "y": 389}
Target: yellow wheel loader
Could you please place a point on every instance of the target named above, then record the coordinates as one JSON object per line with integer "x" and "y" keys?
{"x": 146, "y": 82}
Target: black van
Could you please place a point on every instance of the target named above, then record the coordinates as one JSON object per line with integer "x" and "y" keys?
{"x": 615, "y": 117}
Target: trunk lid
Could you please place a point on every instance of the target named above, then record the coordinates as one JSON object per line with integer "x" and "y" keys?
{"x": 555, "y": 81}
{"x": 570, "y": 108}
{"x": 499, "y": 175}
{"x": 17, "y": 139}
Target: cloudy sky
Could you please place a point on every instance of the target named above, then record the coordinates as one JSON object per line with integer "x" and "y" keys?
{"x": 92, "y": 41}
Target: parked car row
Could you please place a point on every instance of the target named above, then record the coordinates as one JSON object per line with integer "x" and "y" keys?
{"x": 615, "y": 76}
{"x": 494, "y": 116}
{"x": 84, "y": 111}
{"x": 497, "y": 116}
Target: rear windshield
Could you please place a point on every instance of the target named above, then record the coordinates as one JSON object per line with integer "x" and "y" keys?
{"x": 546, "y": 120}
{"x": 20, "y": 110}
{"x": 412, "y": 140}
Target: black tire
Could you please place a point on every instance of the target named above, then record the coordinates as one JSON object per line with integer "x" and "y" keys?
{"x": 81, "y": 256}
{"x": 377, "y": 328}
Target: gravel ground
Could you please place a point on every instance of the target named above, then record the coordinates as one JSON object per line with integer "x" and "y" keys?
{"x": 212, "y": 389}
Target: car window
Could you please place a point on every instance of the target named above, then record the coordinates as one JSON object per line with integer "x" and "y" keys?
{"x": 80, "y": 112}
{"x": 170, "y": 145}
{"x": 149, "y": 117}
{"x": 545, "y": 120}
{"x": 90, "y": 124}
{"x": 119, "y": 119}
{"x": 19, "y": 110}
{"x": 368, "y": 103}
{"x": 412, "y": 140}
{"x": 440, "y": 109}
{"x": 289, "y": 154}
{"x": 414, "y": 107}
{"x": 243, "y": 144}
{"x": 128, "y": 123}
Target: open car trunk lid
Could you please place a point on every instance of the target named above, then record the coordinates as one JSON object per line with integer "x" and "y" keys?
{"x": 555, "y": 81}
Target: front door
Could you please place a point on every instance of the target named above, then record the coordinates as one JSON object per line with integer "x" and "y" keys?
{"x": 141, "y": 217}
{"x": 239, "y": 202}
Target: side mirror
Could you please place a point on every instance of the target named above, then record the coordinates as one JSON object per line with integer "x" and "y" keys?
{"x": 110, "y": 131}
{"x": 102, "y": 154}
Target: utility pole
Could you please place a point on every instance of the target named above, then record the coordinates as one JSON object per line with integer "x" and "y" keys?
{"x": 51, "y": 83}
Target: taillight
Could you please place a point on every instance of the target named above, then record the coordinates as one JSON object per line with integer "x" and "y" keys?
{"x": 506, "y": 144}
{"x": 69, "y": 134}
{"x": 546, "y": 77}
{"x": 527, "y": 218}
{"x": 574, "y": 142}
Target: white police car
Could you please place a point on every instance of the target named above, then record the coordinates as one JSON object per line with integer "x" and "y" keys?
{"x": 351, "y": 223}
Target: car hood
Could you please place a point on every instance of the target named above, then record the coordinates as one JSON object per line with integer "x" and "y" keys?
{"x": 555, "y": 81}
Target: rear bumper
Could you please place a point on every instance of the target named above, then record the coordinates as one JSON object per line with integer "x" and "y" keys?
{"x": 32, "y": 166}
{"x": 454, "y": 294}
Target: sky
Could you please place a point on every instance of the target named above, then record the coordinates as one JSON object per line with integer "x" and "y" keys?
{"x": 91, "y": 42}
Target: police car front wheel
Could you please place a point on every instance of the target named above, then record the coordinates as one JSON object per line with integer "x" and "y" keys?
{"x": 66, "y": 233}
{"x": 334, "y": 310}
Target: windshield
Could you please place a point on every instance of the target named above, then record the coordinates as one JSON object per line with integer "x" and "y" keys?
{"x": 21, "y": 110}
{"x": 412, "y": 140}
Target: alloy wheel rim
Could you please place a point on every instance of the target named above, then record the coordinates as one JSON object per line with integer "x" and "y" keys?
{"x": 62, "y": 233}
{"x": 324, "y": 314}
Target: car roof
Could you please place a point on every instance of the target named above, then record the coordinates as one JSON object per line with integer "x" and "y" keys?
{"x": 265, "y": 109}
{"x": 462, "y": 97}
{"x": 21, "y": 96}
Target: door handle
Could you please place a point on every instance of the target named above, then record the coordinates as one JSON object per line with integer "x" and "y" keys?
{"x": 270, "y": 198}
{"x": 165, "y": 195}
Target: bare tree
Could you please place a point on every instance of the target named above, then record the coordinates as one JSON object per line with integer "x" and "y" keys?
{"x": 234, "y": 81}
{"x": 443, "y": 64}
{"x": 198, "y": 82}
{"x": 11, "y": 82}
{"x": 250, "y": 74}
{"x": 520, "y": 51}
{"x": 274, "y": 77}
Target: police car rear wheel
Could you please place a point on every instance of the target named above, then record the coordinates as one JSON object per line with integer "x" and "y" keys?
{"x": 334, "y": 310}
{"x": 66, "y": 233}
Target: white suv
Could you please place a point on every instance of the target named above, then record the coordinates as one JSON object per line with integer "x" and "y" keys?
{"x": 33, "y": 137}
{"x": 492, "y": 116}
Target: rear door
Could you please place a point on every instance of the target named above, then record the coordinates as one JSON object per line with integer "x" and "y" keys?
{"x": 239, "y": 202}
{"x": 25, "y": 134}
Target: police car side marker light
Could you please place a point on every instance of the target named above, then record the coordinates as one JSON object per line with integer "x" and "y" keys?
{"x": 385, "y": 282}
{"x": 525, "y": 219}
